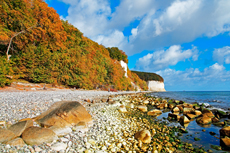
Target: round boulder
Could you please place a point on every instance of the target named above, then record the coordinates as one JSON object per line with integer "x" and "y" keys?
{"x": 36, "y": 135}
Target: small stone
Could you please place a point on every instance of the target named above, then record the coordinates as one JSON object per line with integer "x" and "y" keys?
{"x": 176, "y": 109}
{"x": 59, "y": 146}
{"x": 37, "y": 149}
{"x": 154, "y": 112}
{"x": 144, "y": 136}
{"x": 142, "y": 108}
{"x": 122, "y": 109}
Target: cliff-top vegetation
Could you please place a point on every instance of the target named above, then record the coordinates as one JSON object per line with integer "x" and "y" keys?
{"x": 45, "y": 49}
{"x": 149, "y": 76}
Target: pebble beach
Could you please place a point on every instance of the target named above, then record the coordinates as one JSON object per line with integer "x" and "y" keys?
{"x": 117, "y": 117}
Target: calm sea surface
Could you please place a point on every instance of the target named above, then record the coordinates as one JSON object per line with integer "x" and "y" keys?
{"x": 218, "y": 99}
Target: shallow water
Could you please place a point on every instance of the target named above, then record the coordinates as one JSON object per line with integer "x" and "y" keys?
{"x": 195, "y": 130}
{"x": 215, "y": 99}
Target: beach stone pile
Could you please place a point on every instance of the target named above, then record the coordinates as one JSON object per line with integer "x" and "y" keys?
{"x": 118, "y": 123}
{"x": 58, "y": 120}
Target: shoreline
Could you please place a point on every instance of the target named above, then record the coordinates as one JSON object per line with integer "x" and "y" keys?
{"x": 106, "y": 118}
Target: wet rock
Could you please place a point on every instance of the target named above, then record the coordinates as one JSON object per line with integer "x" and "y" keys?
{"x": 174, "y": 116}
{"x": 176, "y": 109}
{"x": 6, "y": 135}
{"x": 184, "y": 120}
{"x": 225, "y": 142}
{"x": 197, "y": 112}
{"x": 19, "y": 127}
{"x": 191, "y": 116}
{"x": 154, "y": 112}
{"x": 215, "y": 120}
{"x": 204, "y": 120}
{"x": 207, "y": 113}
{"x": 221, "y": 114}
{"x": 16, "y": 142}
{"x": 144, "y": 136}
{"x": 142, "y": 108}
{"x": 188, "y": 110}
{"x": 225, "y": 131}
{"x": 37, "y": 135}
{"x": 212, "y": 133}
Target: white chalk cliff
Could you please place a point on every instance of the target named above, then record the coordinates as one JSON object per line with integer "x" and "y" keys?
{"x": 156, "y": 85}
{"x": 125, "y": 67}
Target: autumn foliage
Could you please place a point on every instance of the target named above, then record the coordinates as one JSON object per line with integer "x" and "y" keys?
{"x": 53, "y": 51}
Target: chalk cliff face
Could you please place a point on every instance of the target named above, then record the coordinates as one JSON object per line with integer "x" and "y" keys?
{"x": 156, "y": 86}
{"x": 124, "y": 66}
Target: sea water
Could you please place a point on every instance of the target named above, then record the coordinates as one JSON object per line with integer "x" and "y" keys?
{"x": 217, "y": 99}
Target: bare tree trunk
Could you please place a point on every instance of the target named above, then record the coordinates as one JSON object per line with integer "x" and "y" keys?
{"x": 7, "y": 52}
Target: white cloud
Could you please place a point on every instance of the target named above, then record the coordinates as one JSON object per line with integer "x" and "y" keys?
{"x": 162, "y": 59}
{"x": 222, "y": 55}
{"x": 162, "y": 23}
{"x": 90, "y": 16}
{"x": 194, "y": 78}
{"x": 182, "y": 21}
{"x": 114, "y": 38}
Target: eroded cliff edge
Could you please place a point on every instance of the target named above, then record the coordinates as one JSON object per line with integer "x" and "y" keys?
{"x": 154, "y": 81}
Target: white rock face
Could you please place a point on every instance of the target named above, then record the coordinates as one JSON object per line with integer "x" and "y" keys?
{"x": 156, "y": 86}
{"x": 124, "y": 66}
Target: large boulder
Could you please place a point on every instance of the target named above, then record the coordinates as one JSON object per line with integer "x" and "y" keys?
{"x": 19, "y": 127}
{"x": 144, "y": 136}
{"x": 64, "y": 114}
{"x": 6, "y": 135}
{"x": 36, "y": 135}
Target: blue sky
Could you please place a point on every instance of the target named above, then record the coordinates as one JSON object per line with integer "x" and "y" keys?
{"x": 187, "y": 42}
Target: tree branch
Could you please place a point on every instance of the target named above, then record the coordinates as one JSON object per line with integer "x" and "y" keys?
{"x": 7, "y": 52}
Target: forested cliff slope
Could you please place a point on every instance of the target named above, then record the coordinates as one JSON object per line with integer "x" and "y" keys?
{"x": 37, "y": 46}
